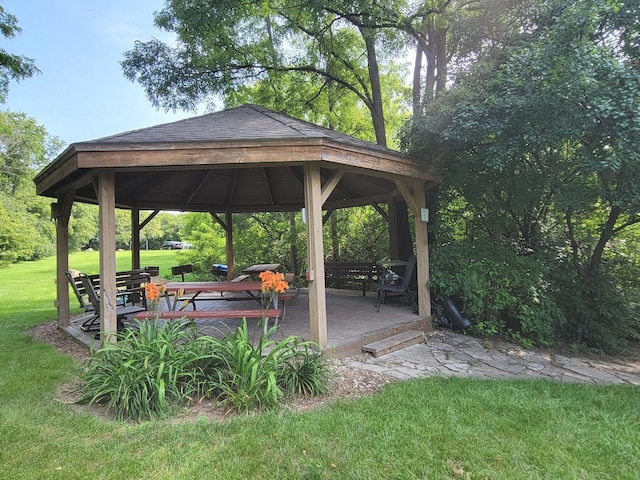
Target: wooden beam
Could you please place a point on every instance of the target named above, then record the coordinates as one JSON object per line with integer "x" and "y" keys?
{"x": 231, "y": 273}
{"x": 233, "y": 187}
{"x": 135, "y": 238}
{"x": 149, "y": 218}
{"x": 315, "y": 248}
{"x": 268, "y": 186}
{"x": 107, "y": 237}
{"x": 359, "y": 202}
{"x": 382, "y": 213}
{"x": 331, "y": 184}
{"x": 408, "y": 197}
{"x": 63, "y": 213}
{"x": 394, "y": 243}
{"x": 219, "y": 221}
{"x": 327, "y": 215}
{"x": 422, "y": 253}
{"x": 196, "y": 187}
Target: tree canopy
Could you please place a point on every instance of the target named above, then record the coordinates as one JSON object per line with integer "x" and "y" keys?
{"x": 541, "y": 142}
{"x": 12, "y": 66}
{"x": 319, "y": 57}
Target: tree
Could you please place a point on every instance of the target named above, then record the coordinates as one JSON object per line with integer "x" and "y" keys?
{"x": 543, "y": 143}
{"x": 25, "y": 147}
{"x": 25, "y": 220}
{"x": 552, "y": 130}
{"x": 12, "y": 67}
{"x": 314, "y": 47}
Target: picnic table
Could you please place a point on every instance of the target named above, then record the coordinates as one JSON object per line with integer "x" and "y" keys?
{"x": 253, "y": 289}
{"x": 198, "y": 288}
{"x": 261, "y": 267}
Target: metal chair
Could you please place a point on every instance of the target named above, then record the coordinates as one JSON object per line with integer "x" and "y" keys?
{"x": 391, "y": 284}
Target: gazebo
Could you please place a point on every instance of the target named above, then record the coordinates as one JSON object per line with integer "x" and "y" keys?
{"x": 244, "y": 159}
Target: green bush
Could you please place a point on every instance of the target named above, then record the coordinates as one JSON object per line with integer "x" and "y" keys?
{"x": 247, "y": 377}
{"x": 146, "y": 374}
{"x": 602, "y": 314}
{"x": 306, "y": 374}
{"x": 501, "y": 290}
{"x": 157, "y": 367}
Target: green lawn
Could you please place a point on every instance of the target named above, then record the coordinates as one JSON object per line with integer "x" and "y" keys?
{"x": 435, "y": 428}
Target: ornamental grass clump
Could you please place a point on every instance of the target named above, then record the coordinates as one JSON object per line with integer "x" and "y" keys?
{"x": 146, "y": 374}
{"x": 247, "y": 377}
{"x": 158, "y": 366}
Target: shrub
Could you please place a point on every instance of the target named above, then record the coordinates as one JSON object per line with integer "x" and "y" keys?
{"x": 247, "y": 377}
{"x": 501, "y": 290}
{"x": 601, "y": 313}
{"x": 158, "y": 367}
{"x": 146, "y": 374}
{"x": 306, "y": 374}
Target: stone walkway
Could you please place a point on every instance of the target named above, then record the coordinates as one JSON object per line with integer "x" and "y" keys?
{"x": 447, "y": 353}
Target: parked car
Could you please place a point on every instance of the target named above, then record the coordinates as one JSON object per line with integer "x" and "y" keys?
{"x": 172, "y": 245}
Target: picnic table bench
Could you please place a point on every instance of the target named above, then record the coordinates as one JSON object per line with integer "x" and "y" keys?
{"x": 274, "y": 313}
{"x": 340, "y": 273}
{"x": 190, "y": 292}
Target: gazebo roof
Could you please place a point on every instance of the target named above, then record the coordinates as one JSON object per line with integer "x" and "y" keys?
{"x": 247, "y": 158}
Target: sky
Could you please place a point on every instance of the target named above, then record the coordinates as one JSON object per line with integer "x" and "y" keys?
{"x": 81, "y": 93}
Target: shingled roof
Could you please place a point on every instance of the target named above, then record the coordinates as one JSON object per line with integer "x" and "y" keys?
{"x": 248, "y": 158}
{"x": 247, "y": 122}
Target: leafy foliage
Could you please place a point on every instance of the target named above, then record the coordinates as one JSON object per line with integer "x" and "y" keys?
{"x": 12, "y": 67}
{"x": 539, "y": 144}
{"x": 501, "y": 290}
{"x": 154, "y": 368}
{"x": 145, "y": 374}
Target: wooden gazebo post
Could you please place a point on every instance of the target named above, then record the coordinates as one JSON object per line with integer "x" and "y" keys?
{"x": 107, "y": 216}
{"x": 315, "y": 247}
{"x": 416, "y": 203}
{"x": 61, "y": 212}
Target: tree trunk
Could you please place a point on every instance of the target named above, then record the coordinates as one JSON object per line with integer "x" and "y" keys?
{"x": 605, "y": 236}
{"x": 377, "y": 113}
{"x": 417, "y": 83}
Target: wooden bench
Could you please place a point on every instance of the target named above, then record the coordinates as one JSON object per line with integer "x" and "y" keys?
{"x": 129, "y": 283}
{"x": 274, "y": 313}
{"x": 240, "y": 313}
{"x": 122, "y": 311}
{"x": 203, "y": 297}
{"x": 342, "y": 273}
{"x": 233, "y": 297}
{"x": 182, "y": 269}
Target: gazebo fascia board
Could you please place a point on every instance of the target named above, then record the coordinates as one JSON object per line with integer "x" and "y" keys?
{"x": 332, "y": 154}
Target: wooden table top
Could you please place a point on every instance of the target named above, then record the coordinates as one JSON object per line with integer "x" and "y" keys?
{"x": 213, "y": 286}
{"x": 262, "y": 267}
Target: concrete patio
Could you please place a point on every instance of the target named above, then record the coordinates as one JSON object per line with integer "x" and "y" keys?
{"x": 352, "y": 320}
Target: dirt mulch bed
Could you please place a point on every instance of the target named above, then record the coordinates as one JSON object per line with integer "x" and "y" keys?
{"x": 346, "y": 382}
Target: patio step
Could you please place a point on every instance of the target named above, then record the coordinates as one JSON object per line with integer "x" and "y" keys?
{"x": 393, "y": 343}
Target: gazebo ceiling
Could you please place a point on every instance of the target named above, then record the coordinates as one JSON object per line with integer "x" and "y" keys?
{"x": 243, "y": 159}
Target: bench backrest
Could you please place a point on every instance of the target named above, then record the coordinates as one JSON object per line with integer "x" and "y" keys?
{"x": 126, "y": 280}
{"x": 355, "y": 270}
{"x": 181, "y": 270}
{"x": 78, "y": 289}
{"x": 90, "y": 289}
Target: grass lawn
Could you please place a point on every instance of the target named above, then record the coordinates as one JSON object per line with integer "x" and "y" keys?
{"x": 434, "y": 428}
